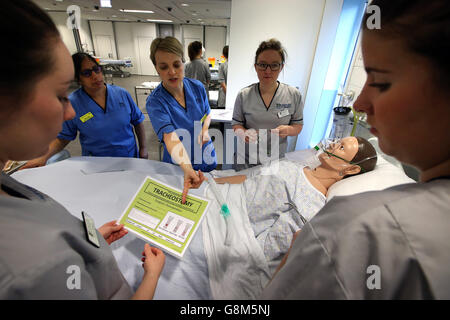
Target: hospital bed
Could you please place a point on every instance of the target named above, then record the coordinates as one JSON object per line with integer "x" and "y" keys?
{"x": 103, "y": 187}
{"x": 113, "y": 66}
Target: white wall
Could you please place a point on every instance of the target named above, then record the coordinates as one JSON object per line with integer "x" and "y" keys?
{"x": 215, "y": 39}
{"x": 357, "y": 74}
{"x": 60, "y": 20}
{"x": 103, "y": 29}
{"x": 190, "y": 34}
{"x": 296, "y": 23}
{"x": 143, "y": 34}
{"x": 125, "y": 45}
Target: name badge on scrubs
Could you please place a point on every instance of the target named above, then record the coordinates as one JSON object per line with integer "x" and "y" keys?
{"x": 91, "y": 232}
{"x": 283, "y": 113}
{"x": 86, "y": 117}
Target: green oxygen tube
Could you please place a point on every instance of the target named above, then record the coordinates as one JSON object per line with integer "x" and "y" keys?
{"x": 356, "y": 117}
{"x": 224, "y": 210}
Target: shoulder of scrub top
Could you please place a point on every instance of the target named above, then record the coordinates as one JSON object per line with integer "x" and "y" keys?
{"x": 246, "y": 90}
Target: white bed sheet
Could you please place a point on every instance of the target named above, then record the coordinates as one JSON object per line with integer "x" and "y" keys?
{"x": 103, "y": 188}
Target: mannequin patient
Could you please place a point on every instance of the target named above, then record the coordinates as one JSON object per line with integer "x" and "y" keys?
{"x": 278, "y": 204}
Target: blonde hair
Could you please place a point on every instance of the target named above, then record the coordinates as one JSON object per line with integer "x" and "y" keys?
{"x": 167, "y": 44}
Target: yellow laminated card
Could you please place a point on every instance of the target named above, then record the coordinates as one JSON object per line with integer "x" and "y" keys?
{"x": 156, "y": 215}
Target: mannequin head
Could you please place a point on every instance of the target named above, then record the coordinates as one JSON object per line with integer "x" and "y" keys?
{"x": 349, "y": 156}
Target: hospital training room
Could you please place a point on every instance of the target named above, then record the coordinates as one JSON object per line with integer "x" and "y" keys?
{"x": 224, "y": 150}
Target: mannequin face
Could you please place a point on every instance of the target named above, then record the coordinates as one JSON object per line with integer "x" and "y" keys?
{"x": 346, "y": 148}
{"x": 170, "y": 69}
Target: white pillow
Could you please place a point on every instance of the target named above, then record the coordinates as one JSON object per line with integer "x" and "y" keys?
{"x": 384, "y": 175}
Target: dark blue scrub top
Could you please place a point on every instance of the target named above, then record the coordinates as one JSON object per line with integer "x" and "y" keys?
{"x": 167, "y": 115}
{"x": 109, "y": 132}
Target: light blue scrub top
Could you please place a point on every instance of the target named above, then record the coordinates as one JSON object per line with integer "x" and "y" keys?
{"x": 109, "y": 132}
{"x": 167, "y": 115}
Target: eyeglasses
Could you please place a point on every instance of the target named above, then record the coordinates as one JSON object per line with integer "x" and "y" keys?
{"x": 88, "y": 72}
{"x": 273, "y": 66}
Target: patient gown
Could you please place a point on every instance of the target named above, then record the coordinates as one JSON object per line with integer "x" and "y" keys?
{"x": 273, "y": 220}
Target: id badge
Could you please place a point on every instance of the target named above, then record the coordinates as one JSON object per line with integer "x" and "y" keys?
{"x": 91, "y": 232}
{"x": 86, "y": 117}
{"x": 283, "y": 113}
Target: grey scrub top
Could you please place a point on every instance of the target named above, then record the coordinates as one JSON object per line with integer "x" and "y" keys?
{"x": 286, "y": 108}
{"x": 44, "y": 253}
{"x": 223, "y": 76}
{"x": 390, "y": 244}
{"x": 198, "y": 69}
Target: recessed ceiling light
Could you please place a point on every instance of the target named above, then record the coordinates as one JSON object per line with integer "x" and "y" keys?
{"x": 136, "y": 11}
{"x": 155, "y": 20}
{"x": 105, "y": 4}
{"x": 184, "y": 5}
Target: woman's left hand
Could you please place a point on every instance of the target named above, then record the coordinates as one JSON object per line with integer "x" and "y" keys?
{"x": 203, "y": 137}
{"x": 112, "y": 231}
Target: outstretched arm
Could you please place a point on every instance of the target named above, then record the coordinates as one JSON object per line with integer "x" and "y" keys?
{"x": 231, "y": 180}
{"x": 55, "y": 146}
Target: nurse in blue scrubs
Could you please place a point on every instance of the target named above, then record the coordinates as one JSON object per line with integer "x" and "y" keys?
{"x": 105, "y": 117}
{"x": 180, "y": 114}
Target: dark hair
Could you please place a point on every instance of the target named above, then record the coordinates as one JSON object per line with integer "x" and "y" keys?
{"x": 27, "y": 35}
{"x": 365, "y": 150}
{"x": 194, "y": 48}
{"x": 271, "y": 44}
{"x": 225, "y": 51}
{"x": 424, "y": 26}
{"x": 77, "y": 59}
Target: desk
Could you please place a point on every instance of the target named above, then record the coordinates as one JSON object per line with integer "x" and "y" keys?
{"x": 103, "y": 187}
{"x": 148, "y": 87}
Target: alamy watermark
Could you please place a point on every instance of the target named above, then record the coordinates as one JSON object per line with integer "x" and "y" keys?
{"x": 263, "y": 147}
{"x": 374, "y": 280}
{"x": 374, "y": 20}
{"x": 73, "y": 281}
{"x": 74, "y": 17}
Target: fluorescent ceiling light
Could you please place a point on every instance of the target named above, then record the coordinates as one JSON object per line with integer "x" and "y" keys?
{"x": 136, "y": 11}
{"x": 154, "y": 20}
{"x": 184, "y": 5}
{"x": 105, "y": 4}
